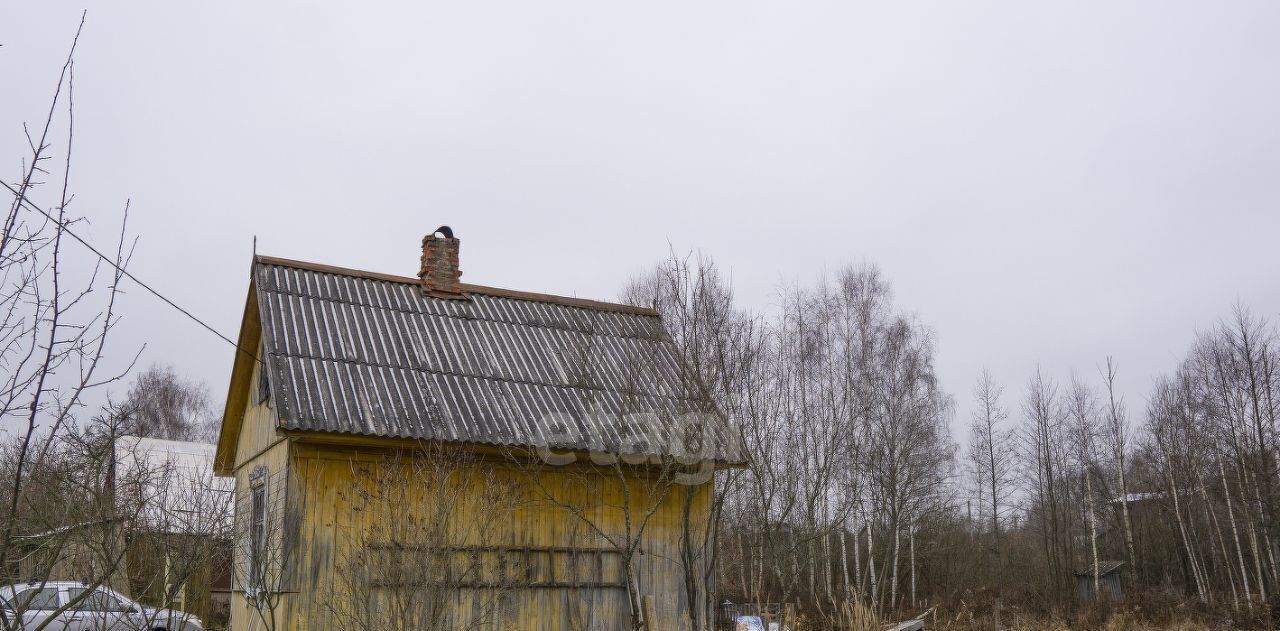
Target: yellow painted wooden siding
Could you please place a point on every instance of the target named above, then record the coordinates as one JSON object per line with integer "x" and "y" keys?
{"x": 328, "y": 485}
{"x": 258, "y": 430}
{"x": 259, "y": 445}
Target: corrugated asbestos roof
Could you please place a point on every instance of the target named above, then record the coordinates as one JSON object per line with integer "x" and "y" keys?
{"x": 359, "y": 353}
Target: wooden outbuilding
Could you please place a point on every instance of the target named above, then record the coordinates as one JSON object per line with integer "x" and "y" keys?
{"x": 1108, "y": 587}
{"x": 424, "y": 453}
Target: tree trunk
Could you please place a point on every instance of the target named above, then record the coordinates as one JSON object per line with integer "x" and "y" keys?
{"x": 844, "y": 561}
{"x": 1211, "y": 517}
{"x": 871, "y": 568}
{"x": 912, "y": 534}
{"x": 1235, "y": 535}
{"x": 897, "y": 545}
{"x": 813, "y": 582}
{"x": 827, "y": 569}
{"x": 857, "y": 565}
{"x": 1182, "y": 530}
{"x": 1093, "y": 532}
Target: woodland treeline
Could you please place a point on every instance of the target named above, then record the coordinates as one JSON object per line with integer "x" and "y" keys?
{"x": 858, "y": 503}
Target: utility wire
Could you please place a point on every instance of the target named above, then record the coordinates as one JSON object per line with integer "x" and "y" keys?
{"x": 63, "y": 225}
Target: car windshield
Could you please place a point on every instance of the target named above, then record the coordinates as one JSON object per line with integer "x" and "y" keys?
{"x": 96, "y": 601}
{"x": 37, "y": 598}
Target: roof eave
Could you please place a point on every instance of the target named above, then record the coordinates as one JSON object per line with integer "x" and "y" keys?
{"x": 238, "y": 389}
{"x": 373, "y": 441}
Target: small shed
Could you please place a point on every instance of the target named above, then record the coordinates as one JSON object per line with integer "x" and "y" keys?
{"x": 1108, "y": 583}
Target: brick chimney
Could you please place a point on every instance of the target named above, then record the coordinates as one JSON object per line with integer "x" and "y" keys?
{"x": 439, "y": 272}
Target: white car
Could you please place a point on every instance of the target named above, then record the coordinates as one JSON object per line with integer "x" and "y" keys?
{"x": 102, "y": 610}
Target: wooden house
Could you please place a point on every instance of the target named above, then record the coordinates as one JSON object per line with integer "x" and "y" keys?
{"x": 416, "y": 452}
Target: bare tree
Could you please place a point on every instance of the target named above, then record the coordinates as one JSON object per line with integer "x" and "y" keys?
{"x": 1168, "y": 427}
{"x": 55, "y": 320}
{"x": 992, "y": 464}
{"x": 720, "y": 348}
{"x": 846, "y": 430}
{"x": 81, "y": 516}
{"x": 1042, "y": 442}
{"x": 847, "y": 493}
{"x": 164, "y": 405}
{"x": 1118, "y": 437}
{"x": 1083, "y": 404}
{"x": 991, "y": 452}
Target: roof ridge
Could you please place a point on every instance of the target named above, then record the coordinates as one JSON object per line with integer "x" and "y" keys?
{"x": 499, "y": 292}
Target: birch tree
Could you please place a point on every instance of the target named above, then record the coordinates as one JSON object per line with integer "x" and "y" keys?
{"x": 991, "y": 456}
{"x": 1118, "y": 439}
{"x": 1083, "y": 407}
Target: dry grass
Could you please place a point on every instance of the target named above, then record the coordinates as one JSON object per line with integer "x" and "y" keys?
{"x": 1150, "y": 616}
{"x": 854, "y": 616}
{"x": 1117, "y": 622}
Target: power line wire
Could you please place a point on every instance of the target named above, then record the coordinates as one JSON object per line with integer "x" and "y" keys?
{"x": 22, "y": 199}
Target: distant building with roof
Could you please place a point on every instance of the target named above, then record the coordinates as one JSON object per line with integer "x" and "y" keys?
{"x": 168, "y": 544}
{"x": 179, "y": 552}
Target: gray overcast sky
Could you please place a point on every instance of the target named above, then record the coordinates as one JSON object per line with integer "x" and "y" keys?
{"x": 1043, "y": 182}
